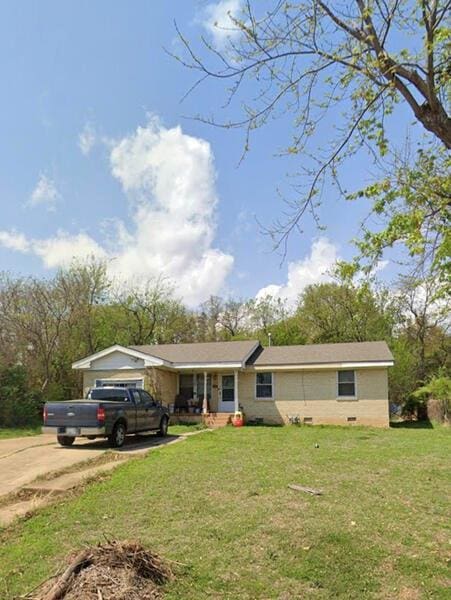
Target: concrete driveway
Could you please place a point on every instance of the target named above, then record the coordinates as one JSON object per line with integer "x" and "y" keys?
{"x": 22, "y": 460}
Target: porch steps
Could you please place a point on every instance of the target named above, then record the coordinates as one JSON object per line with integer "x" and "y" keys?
{"x": 216, "y": 420}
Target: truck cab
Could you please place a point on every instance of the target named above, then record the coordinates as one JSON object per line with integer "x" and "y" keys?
{"x": 108, "y": 412}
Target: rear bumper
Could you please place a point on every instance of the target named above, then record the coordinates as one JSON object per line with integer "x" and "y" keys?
{"x": 84, "y": 431}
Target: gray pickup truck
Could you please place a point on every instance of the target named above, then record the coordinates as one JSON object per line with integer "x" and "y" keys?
{"x": 106, "y": 412}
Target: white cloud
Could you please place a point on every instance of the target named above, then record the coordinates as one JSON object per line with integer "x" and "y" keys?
{"x": 314, "y": 268}
{"x": 14, "y": 241}
{"x": 87, "y": 139}
{"x": 169, "y": 180}
{"x": 244, "y": 223}
{"x": 44, "y": 194}
{"x": 62, "y": 249}
{"x": 57, "y": 251}
{"x": 216, "y": 20}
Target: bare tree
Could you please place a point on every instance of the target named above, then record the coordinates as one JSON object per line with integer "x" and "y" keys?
{"x": 87, "y": 287}
{"x": 34, "y": 312}
{"x": 209, "y": 318}
{"x": 151, "y": 312}
{"x": 234, "y": 316}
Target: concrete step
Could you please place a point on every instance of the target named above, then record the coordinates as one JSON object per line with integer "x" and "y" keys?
{"x": 216, "y": 420}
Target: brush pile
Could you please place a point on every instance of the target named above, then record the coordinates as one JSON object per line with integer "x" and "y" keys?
{"x": 111, "y": 571}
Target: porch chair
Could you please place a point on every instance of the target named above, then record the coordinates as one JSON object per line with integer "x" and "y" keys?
{"x": 181, "y": 405}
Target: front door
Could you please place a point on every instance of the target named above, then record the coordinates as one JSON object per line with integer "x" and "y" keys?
{"x": 227, "y": 394}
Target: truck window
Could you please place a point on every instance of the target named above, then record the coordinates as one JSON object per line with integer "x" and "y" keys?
{"x": 136, "y": 396}
{"x": 108, "y": 395}
{"x": 146, "y": 397}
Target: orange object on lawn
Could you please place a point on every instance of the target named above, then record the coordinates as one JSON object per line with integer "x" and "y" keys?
{"x": 238, "y": 419}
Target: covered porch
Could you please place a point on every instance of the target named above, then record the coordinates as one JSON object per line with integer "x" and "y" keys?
{"x": 201, "y": 394}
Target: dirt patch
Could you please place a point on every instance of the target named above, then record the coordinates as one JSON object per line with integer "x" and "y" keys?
{"x": 111, "y": 571}
{"x": 22, "y": 496}
{"x": 409, "y": 593}
{"x": 102, "y": 459}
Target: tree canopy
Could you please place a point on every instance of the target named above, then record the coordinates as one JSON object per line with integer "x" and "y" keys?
{"x": 340, "y": 69}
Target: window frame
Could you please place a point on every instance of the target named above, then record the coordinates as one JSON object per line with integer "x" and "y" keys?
{"x": 122, "y": 383}
{"x": 147, "y": 401}
{"x": 192, "y": 386}
{"x": 135, "y": 393}
{"x": 347, "y": 396}
{"x": 124, "y": 399}
{"x": 264, "y": 398}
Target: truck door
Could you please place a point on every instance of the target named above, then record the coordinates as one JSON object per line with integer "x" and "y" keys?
{"x": 151, "y": 411}
{"x": 139, "y": 410}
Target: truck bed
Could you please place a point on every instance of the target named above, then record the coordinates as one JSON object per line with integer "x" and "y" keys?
{"x": 80, "y": 413}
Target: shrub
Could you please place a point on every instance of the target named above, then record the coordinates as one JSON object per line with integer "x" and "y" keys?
{"x": 19, "y": 405}
{"x": 439, "y": 390}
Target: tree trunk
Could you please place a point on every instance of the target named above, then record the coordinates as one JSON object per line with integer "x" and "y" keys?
{"x": 437, "y": 122}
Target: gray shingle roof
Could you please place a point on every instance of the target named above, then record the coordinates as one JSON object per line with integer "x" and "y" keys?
{"x": 237, "y": 352}
{"x": 202, "y": 352}
{"x": 323, "y": 354}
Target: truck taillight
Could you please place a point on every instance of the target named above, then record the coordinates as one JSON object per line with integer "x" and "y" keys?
{"x": 45, "y": 413}
{"x": 101, "y": 414}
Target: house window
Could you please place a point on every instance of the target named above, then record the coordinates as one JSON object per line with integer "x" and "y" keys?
{"x": 186, "y": 390}
{"x": 191, "y": 386}
{"x": 263, "y": 385}
{"x": 122, "y": 383}
{"x": 346, "y": 384}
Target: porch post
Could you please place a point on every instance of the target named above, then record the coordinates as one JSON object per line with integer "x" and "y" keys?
{"x": 205, "y": 402}
{"x": 235, "y": 387}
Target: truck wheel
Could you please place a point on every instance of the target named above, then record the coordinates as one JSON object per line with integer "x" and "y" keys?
{"x": 65, "y": 440}
{"x": 117, "y": 438}
{"x": 163, "y": 430}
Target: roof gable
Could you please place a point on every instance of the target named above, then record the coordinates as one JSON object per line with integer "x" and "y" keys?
{"x": 86, "y": 363}
{"x": 195, "y": 355}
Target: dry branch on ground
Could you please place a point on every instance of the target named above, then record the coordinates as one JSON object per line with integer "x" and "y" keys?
{"x": 111, "y": 571}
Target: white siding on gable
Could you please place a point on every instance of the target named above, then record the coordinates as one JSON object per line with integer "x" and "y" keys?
{"x": 117, "y": 360}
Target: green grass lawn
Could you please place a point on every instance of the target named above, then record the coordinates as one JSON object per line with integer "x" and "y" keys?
{"x": 219, "y": 504}
{"x": 185, "y": 428}
{"x": 7, "y": 433}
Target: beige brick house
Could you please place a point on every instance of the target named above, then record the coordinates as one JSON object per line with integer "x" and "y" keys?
{"x": 323, "y": 383}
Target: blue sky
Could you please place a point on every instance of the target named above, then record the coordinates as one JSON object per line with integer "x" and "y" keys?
{"x": 97, "y": 157}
